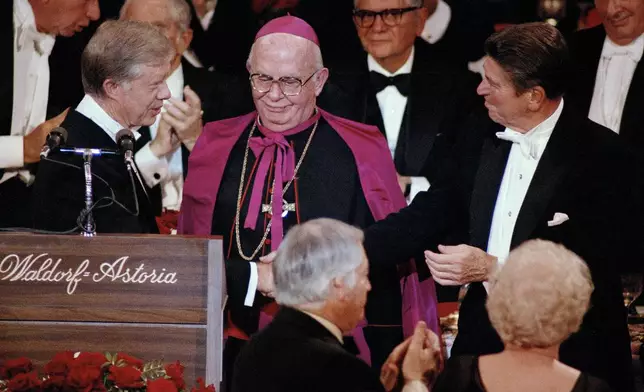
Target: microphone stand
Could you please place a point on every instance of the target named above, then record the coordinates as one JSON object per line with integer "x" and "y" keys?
{"x": 88, "y": 228}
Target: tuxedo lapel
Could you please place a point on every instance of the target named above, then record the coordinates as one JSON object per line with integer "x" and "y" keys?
{"x": 633, "y": 116}
{"x": 491, "y": 167}
{"x": 552, "y": 167}
{"x": 423, "y": 112}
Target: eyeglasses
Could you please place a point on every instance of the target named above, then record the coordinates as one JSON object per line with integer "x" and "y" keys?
{"x": 289, "y": 85}
{"x": 391, "y": 17}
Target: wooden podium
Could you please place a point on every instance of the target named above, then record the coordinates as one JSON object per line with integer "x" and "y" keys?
{"x": 153, "y": 297}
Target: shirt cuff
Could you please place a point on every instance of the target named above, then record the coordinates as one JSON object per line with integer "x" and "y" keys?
{"x": 500, "y": 261}
{"x": 152, "y": 168}
{"x": 415, "y": 386}
{"x": 252, "y": 286}
{"x": 11, "y": 152}
{"x": 418, "y": 184}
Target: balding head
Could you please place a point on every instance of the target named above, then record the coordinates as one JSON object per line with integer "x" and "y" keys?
{"x": 172, "y": 17}
{"x": 293, "y": 59}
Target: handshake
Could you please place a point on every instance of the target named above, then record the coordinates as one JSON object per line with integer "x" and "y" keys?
{"x": 414, "y": 363}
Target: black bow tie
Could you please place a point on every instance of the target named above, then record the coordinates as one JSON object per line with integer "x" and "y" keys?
{"x": 380, "y": 82}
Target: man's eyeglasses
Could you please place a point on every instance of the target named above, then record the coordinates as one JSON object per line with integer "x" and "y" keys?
{"x": 391, "y": 17}
{"x": 289, "y": 85}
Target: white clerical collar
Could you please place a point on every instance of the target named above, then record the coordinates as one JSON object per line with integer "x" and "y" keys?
{"x": 373, "y": 65}
{"x": 539, "y": 135}
{"x": 26, "y": 30}
{"x": 335, "y": 331}
{"x": 175, "y": 83}
{"x": 436, "y": 24}
{"x": 89, "y": 108}
{"x": 635, "y": 49}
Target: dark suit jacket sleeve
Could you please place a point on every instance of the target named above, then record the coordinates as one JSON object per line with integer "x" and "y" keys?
{"x": 424, "y": 224}
{"x": 237, "y": 277}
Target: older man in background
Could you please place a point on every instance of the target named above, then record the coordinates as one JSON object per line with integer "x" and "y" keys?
{"x": 27, "y": 36}
{"x": 190, "y": 88}
{"x": 321, "y": 281}
{"x": 124, "y": 68}
{"x": 253, "y": 177}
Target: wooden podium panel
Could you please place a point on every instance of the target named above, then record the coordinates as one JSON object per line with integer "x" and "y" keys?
{"x": 155, "y": 297}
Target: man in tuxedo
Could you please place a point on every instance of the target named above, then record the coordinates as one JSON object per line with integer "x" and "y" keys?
{"x": 402, "y": 85}
{"x": 538, "y": 170}
{"x": 220, "y": 96}
{"x": 321, "y": 281}
{"x": 124, "y": 70}
{"x": 28, "y": 30}
{"x": 609, "y": 77}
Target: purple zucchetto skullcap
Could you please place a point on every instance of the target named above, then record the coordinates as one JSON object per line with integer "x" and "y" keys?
{"x": 289, "y": 25}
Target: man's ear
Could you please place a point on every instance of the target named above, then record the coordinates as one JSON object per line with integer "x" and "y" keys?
{"x": 186, "y": 39}
{"x": 320, "y": 80}
{"x": 112, "y": 89}
{"x": 536, "y": 98}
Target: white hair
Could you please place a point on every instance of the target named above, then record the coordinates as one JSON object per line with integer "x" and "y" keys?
{"x": 317, "y": 53}
{"x": 179, "y": 12}
{"x": 311, "y": 256}
{"x": 412, "y": 3}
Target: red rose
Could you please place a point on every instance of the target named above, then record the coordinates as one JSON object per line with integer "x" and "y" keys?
{"x": 201, "y": 386}
{"x": 168, "y": 221}
{"x": 175, "y": 372}
{"x": 24, "y": 382}
{"x": 12, "y": 367}
{"x": 90, "y": 359}
{"x": 84, "y": 378}
{"x": 129, "y": 360}
{"x": 161, "y": 385}
{"x": 59, "y": 364}
{"x": 125, "y": 377}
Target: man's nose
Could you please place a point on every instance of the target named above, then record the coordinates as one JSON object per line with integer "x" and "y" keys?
{"x": 93, "y": 10}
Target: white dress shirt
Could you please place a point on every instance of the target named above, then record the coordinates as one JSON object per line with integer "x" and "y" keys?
{"x": 614, "y": 75}
{"x": 519, "y": 170}
{"x": 172, "y": 184}
{"x": 149, "y": 165}
{"x": 436, "y": 24}
{"x": 31, "y": 51}
{"x": 392, "y": 108}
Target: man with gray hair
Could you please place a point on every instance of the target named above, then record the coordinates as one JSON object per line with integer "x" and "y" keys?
{"x": 191, "y": 89}
{"x": 321, "y": 281}
{"x": 124, "y": 67}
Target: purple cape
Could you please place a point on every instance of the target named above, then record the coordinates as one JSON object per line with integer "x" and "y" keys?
{"x": 377, "y": 177}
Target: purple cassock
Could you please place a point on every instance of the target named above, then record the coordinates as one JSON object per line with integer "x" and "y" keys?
{"x": 377, "y": 177}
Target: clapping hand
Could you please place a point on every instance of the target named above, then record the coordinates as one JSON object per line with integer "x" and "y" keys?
{"x": 185, "y": 117}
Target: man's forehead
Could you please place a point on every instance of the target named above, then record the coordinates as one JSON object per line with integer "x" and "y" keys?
{"x": 378, "y": 5}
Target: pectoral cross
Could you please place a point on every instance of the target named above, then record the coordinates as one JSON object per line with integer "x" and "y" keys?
{"x": 286, "y": 208}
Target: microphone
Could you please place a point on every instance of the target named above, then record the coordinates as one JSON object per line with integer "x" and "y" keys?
{"x": 56, "y": 138}
{"x": 125, "y": 140}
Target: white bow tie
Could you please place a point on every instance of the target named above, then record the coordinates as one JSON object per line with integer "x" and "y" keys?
{"x": 632, "y": 51}
{"x": 528, "y": 148}
{"x": 43, "y": 43}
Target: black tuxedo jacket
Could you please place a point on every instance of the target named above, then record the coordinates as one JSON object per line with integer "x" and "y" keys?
{"x": 440, "y": 98}
{"x": 6, "y": 83}
{"x": 59, "y": 191}
{"x": 586, "y": 47}
{"x": 584, "y": 172}
{"x": 296, "y": 353}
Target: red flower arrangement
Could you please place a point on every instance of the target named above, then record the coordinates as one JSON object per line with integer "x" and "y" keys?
{"x": 95, "y": 372}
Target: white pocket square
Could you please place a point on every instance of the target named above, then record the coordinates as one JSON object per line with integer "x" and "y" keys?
{"x": 558, "y": 219}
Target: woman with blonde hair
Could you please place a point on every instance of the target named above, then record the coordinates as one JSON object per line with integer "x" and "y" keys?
{"x": 538, "y": 300}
